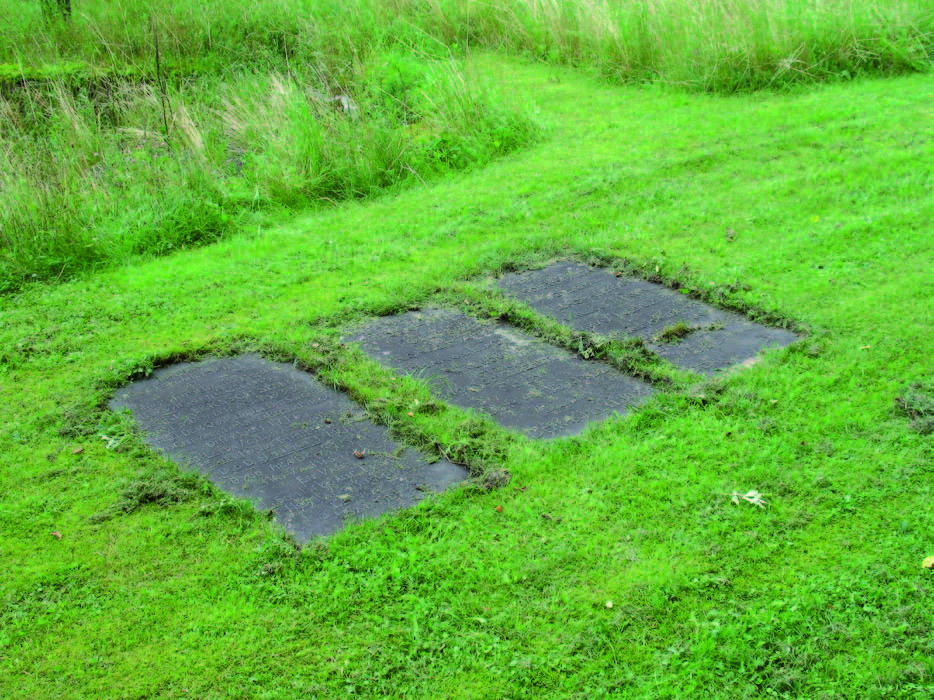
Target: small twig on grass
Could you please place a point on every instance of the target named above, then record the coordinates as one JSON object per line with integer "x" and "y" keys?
{"x": 160, "y": 80}
{"x": 448, "y": 457}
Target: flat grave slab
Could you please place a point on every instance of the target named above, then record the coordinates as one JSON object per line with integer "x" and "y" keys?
{"x": 520, "y": 381}
{"x": 596, "y": 301}
{"x": 275, "y": 435}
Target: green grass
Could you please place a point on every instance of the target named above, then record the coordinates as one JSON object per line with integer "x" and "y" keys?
{"x": 162, "y": 587}
{"x": 98, "y": 172}
{"x": 717, "y": 45}
{"x": 140, "y": 129}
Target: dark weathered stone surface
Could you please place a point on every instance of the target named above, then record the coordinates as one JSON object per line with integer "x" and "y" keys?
{"x": 273, "y": 434}
{"x": 596, "y": 301}
{"x": 520, "y": 381}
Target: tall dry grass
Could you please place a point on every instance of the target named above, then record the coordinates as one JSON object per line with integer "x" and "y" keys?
{"x": 718, "y": 45}
{"x": 90, "y": 176}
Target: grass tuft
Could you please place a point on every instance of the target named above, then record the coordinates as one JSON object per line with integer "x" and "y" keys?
{"x": 917, "y": 403}
{"x": 675, "y": 332}
{"x": 162, "y": 488}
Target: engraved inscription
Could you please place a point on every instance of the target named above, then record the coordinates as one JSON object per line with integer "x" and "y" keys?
{"x": 521, "y": 382}
{"x": 273, "y": 434}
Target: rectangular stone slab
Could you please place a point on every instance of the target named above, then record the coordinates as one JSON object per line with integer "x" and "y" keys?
{"x": 596, "y": 301}
{"x": 275, "y": 435}
{"x": 520, "y": 381}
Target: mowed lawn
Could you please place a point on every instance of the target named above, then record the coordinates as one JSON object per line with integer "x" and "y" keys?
{"x": 123, "y": 578}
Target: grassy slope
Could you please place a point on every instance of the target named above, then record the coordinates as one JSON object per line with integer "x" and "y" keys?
{"x": 829, "y": 195}
{"x": 74, "y": 135}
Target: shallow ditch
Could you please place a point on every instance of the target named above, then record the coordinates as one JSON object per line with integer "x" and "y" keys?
{"x": 98, "y": 168}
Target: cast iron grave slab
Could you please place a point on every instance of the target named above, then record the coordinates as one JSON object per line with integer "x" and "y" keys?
{"x": 597, "y": 301}
{"x": 522, "y": 382}
{"x": 271, "y": 433}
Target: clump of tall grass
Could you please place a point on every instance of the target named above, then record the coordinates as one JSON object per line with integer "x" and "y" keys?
{"x": 90, "y": 177}
{"x": 714, "y": 45}
{"x": 221, "y": 34}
